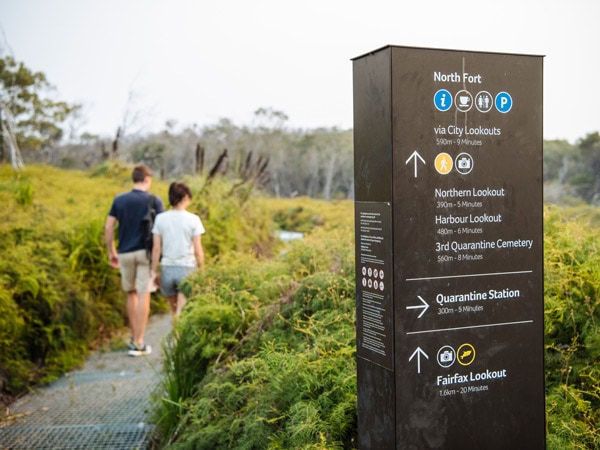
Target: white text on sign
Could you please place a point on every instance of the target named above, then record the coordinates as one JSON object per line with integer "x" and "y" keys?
{"x": 456, "y": 77}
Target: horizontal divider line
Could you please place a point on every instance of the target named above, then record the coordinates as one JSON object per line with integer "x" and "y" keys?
{"x": 491, "y": 274}
{"x": 474, "y": 326}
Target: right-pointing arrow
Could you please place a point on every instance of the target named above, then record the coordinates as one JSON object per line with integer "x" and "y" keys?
{"x": 424, "y": 306}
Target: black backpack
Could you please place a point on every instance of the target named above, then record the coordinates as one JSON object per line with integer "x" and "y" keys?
{"x": 147, "y": 224}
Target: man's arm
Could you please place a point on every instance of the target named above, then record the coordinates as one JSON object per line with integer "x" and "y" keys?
{"x": 109, "y": 238}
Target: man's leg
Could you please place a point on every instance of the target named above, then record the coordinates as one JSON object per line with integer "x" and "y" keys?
{"x": 135, "y": 276}
{"x": 141, "y": 302}
{"x": 132, "y": 301}
{"x": 138, "y": 310}
{"x": 143, "y": 311}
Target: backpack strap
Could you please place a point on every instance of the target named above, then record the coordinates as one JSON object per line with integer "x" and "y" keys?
{"x": 151, "y": 205}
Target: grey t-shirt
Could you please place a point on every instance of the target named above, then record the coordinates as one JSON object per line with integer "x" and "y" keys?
{"x": 176, "y": 229}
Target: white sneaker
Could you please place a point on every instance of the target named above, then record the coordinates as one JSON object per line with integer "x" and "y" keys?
{"x": 145, "y": 350}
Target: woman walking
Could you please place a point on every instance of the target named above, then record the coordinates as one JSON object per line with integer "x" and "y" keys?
{"x": 176, "y": 236}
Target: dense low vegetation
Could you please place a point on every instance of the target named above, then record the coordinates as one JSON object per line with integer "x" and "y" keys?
{"x": 58, "y": 295}
{"x": 572, "y": 329}
{"x": 264, "y": 355}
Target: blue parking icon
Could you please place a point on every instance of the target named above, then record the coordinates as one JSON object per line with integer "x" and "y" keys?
{"x": 442, "y": 100}
{"x": 503, "y": 102}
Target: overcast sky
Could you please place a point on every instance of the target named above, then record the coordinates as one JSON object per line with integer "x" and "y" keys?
{"x": 197, "y": 61}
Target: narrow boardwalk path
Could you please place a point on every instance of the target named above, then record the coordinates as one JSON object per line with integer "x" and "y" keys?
{"x": 105, "y": 405}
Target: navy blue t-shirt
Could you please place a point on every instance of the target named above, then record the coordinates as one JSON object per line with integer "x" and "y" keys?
{"x": 130, "y": 209}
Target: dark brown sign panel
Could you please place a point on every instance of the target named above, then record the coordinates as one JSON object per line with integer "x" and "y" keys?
{"x": 448, "y": 158}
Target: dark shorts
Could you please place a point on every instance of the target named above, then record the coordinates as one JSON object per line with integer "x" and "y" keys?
{"x": 171, "y": 277}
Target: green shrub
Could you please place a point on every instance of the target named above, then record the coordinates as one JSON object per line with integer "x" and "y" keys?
{"x": 23, "y": 191}
{"x": 59, "y": 293}
{"x": 572, "y": 330}
{"x": 264, "y": 354}
{"x": 279, "y": 365}
{"x": 272, "y": 350}
{"x": 297, "y": 218}
{"x": 14, "y": 368}
{"x": 234, "y": 220}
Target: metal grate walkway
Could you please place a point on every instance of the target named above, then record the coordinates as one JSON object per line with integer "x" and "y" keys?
{"x": 106, "y": 405}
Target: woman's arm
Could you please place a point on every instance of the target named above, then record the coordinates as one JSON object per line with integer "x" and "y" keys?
{"x": 198, "y": 251}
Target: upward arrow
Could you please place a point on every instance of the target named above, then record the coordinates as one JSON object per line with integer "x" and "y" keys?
{"x": 418, "y": 352}
{"x": 415, "y": 155}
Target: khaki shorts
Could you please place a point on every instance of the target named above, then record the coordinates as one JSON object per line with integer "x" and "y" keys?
{"x": 135, "y": 272}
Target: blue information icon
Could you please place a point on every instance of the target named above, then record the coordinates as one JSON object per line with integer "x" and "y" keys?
{"x": 442, "y": 100}
{"x": 503, "y": 102}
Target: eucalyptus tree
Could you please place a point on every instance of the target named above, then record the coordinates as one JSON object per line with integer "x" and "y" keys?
{"x": 36, "y": 118}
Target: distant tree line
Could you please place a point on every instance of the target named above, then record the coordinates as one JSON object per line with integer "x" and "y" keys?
{"x": 284, "y": 162}
{"x": 317, "y": 163}
{"x": 572, "y": 171}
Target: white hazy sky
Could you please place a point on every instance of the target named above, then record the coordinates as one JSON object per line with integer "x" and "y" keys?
{"x": 197, "y": 61}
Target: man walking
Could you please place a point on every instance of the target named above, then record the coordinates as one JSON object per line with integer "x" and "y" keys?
{"x": 128, "y": 210}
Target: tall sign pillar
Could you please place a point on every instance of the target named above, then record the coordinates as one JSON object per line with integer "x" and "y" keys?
{"x": 449, "y": 249}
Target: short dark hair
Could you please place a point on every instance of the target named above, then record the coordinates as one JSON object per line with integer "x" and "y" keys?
{"x": 140, "y": 173}
{"x": 177, "y": 191}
